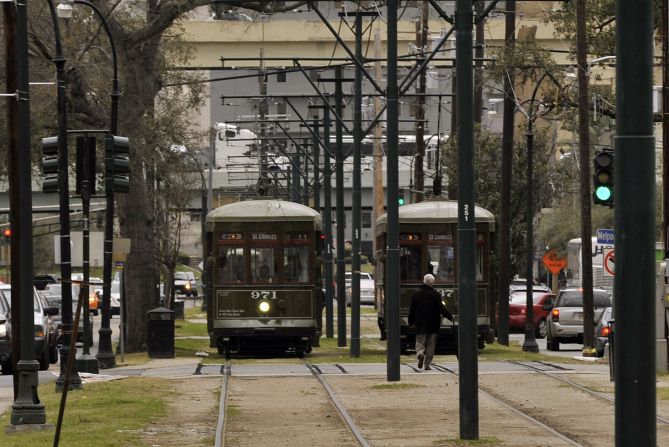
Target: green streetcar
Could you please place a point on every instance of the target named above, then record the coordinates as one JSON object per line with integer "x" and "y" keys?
{"x": 264, "y": 288}
{"x": 428, "y": 244}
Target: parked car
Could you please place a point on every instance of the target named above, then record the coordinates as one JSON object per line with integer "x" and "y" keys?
{"x": 518, "y": 311}
{"x": 366, "y": 288}
{"x": 5, "y": 347}
{"x": 603, "y": 331}
{"x": 94, "y": 292}
{"x": 54, "y": 298}
{"x": 45, "y": 338}
{"x": 184, "y": 283}
{"x": 565, "y": 321}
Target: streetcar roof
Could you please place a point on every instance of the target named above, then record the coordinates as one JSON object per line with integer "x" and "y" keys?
{"x": 264, "y": 210}
{"x": 435, "y": 211}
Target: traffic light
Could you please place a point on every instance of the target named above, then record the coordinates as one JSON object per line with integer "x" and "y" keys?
{"x": 603, "y": 178}
{"x": 50, "y": 165}
{"x": 117, "y": 163}
{"x": 6, "y": 235}
{"x": 85, "y": 163}
{"x": 400, "y": 196}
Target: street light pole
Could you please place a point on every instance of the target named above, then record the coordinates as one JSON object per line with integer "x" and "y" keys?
{"x": 530, "y": 342}
{"x": 27, "y": 408}
{"x": 105, "y": 354}
{"x": 74, "y": 381}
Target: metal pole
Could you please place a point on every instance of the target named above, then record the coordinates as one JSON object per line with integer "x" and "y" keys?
{"x": 530, "y": 343}
{"x": 665, "y": 127}
{"x": 27, "y": 408}
{"x": 356, "y": 219}
{"x": 86, "y": 362}
{"x": 634, "y": 192}
{"x": 392, "y": 284}
{"x": 296, "y": 176}
{"x": 317, "y": 170}
{"x": 467, "y": 337}
{"x": 341, "y": 217}
{"x": 505, "y": 188}
{"x": 327, "y": 223}
{"x": 105, "y": 355}
{"x": 64, "y": 214}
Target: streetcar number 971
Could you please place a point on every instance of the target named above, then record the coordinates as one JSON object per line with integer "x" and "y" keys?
{"x": 263, "y": 294}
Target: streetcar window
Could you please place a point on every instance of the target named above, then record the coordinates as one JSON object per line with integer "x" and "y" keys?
{"x": 230, "y": 265}
{"x": 262, "y": 265}
{"x": 410, "y": 263}
{"x": 295, "y": 262}
{"x": 442, "y": 263}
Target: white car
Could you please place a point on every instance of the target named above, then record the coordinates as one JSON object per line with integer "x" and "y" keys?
{"x": 184, "y": 283}
{"x": 366, "y": 288}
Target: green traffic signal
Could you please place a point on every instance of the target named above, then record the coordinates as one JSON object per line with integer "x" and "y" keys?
{"x": 400, "y": 201}
{"x": 603, "y": 193}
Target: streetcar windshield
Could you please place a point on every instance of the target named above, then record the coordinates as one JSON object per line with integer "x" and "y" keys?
{"x": 295, "y": 261}
{"x": 410, "y": 263}
{"x": 263, "y": 269}
{"x": 230, "y": 265}
{"x": 442, "y": 263}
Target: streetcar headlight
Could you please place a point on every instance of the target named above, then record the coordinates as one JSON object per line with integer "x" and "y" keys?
{"x": 187, "y": 286}
{"x": 263, "y": 307}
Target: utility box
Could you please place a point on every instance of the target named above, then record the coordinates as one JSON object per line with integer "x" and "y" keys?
{"x": 160, "y": 341}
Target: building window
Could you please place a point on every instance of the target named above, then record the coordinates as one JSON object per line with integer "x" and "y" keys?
{"x": 366, "y": 218}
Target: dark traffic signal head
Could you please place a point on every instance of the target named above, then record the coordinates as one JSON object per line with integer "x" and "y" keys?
{"x": 603, "y": 178}
{"x": 117, "y": 163}
{"x": 50, "y": 163}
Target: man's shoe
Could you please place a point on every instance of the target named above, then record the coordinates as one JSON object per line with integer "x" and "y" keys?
{"x": 427, "y": 368}
{"x": 420, "y": 361}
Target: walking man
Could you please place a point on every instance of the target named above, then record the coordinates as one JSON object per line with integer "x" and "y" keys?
{"x": 425, "y": 315}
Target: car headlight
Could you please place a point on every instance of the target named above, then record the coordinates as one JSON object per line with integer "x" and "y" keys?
{"x": 3, "y": 330}
{"x": 263, "y": 307}
{"x": 187, "y": 286}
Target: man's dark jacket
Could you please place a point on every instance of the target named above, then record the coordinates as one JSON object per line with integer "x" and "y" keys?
{"x": 426, "y": 310}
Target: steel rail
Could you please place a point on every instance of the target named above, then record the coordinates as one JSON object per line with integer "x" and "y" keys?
{"x": 222, "y": 404}
{"x": 338, "y": 405}
{"x": 575, "y": 385}
{"x": 519, "y": 412}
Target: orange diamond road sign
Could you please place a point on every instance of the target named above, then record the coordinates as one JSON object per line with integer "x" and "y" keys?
{"x": 553, "y": 263}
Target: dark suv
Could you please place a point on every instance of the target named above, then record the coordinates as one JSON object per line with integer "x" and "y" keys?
{"x": 565, "y": 320}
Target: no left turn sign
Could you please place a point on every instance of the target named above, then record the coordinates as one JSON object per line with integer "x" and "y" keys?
{"x": 609, "y": 262}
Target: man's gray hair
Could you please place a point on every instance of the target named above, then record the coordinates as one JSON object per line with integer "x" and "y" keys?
{"x": 428, "y": 279}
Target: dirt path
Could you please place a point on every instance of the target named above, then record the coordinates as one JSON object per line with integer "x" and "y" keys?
{"x": 192, "y": 415}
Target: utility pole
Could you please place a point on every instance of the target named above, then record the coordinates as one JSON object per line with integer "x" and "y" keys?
{"x": 478, "y": 63}
{"x": 327, "y": 222}
{"x": 419, "y": 175}
{"x": 634, "y": 193}
{"x": 467, "y": 327}
{"x": 378, "y": 154}
{"x": 505, "y": 187}
{"x": 665, "y": 127}
{"x": 585, "y": 160}
{"x": 341, "y": 217}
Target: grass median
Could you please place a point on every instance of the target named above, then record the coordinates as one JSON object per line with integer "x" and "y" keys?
{"x": 113, "y": 413}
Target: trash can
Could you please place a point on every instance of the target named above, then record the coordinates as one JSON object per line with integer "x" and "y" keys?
{"x": 178, "y": 307}
{"x": 612, "y": 373}
{"x": 160, "y": 341}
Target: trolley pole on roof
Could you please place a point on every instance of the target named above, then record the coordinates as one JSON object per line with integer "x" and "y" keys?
{"x": 467, "y": 302}
{"x": 327, "y": 218}
{"x": 392, "y": 284}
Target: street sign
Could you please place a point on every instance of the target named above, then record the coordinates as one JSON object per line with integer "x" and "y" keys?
{"x": 605, "y": 236}
{"x": 609, "y": 262}
{"x": 553, "y": 263}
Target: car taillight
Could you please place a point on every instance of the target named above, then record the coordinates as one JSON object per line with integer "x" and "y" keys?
{"x": 606, "y": 331}
{"x": 555, "y": 313}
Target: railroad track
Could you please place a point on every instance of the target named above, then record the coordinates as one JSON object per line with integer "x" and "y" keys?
{"x": 514, "y": 408}
{"x": 574, "y": 384}
{"x": 316, "y": 373}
